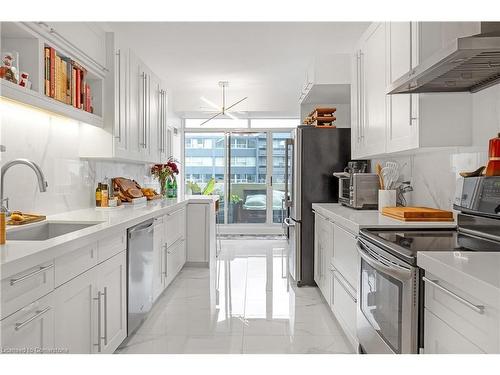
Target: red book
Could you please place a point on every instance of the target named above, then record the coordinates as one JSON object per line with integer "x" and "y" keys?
{"x": 77, "y": 88}
{"x": 73, "y": 87}
{"x": 52, "y": 72}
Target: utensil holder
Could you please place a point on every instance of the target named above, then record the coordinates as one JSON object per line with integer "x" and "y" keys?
{"x": 386, "y": 198}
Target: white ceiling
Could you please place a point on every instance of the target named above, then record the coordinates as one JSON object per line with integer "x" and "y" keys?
{"x": 264, "y": 61}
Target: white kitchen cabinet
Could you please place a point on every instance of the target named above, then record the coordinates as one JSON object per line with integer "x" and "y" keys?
{"x": 323, "y": 253}
{"x": 345, "y": 256}
{"x": 383, "y": 124}
{"x": 176, "y": 258}
{"x": 175, "y": 225}
{"x": 26, "y": 287}
{"x": 477, "y": 321}
{"x": 112, "y": 284}
{"x": 31, "y": 329}
{"x": 343, "y": 304}
{"x": 440, "y": 338}
{"x": 325, "y": 70}
{"x": 90, "y": 310}
{"x": 75, "y": 314}
{"x": 369, "y": 99}
{"x": 86, "y": 38}
{"x": 159, "y": 247}
{"x": 197, "y": 233}
{"x": 423, "y": 120}
{"x": 74, "y": 263}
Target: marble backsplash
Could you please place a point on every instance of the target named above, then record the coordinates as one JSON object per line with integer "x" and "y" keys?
{"x": 434, "y": 174}
{"x": 53, "y": 143}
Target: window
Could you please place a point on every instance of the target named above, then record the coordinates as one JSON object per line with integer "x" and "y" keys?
{"x": 274, "y": 123}
{"x": 199, "y": 161}
{"x": 216, "y": 123}
{"x": 241, "y": 161}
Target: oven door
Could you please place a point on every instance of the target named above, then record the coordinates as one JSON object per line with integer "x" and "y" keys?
{"x": 345, "y": 190}
{"x": 387, "y": 311}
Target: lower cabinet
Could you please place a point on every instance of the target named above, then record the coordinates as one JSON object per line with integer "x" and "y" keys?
{"x": 323, "y": 253}
{"x": 31, "y": 329}
{"x": 440, "y": 338}
{"x": 343, "y": 304}
{"x": 175, "y": 258}
{"x": 336, "y": 272}
{"x": 90, "y": 311}
{"x": 457, "y": 320}
{"x": 197, "y": 233}
{"x": 159, "y": 244}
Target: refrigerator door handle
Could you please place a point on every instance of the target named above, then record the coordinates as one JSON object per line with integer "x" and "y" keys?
{"x": 288, "y": 197}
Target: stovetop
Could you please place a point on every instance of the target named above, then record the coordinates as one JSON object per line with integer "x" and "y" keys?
{"x": 405, "y": 244}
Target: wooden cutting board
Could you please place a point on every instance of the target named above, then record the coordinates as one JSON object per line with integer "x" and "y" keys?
{"x": 417, "y": 214}
{"x": 28, "y": 218}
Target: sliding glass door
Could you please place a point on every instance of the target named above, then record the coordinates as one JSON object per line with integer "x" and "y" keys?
{"x": 248, "y": 178}
{"x": 246, "y": 168}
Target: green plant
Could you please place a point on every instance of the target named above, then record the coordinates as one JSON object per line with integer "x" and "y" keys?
{"x": 235, "y": 199}
{"x": 195, "y": 188}
{"x": 209, "y": 189}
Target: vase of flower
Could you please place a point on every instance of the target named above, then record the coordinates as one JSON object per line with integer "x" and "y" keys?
{"x": 165, "y": 173}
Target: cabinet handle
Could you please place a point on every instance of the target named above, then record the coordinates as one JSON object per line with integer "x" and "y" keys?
{"x": 174, "y": 212}
{"x": 143, "y": 143}
{"x": 28, "y": 321}
{"x": 119, "y": 137}
{"x": 34, "y": 273}
{"x": 435, "y": 283}
{"x": 148, "y": 113}
{"x": 99, "y": 331}
{"x": 105, "y": 294}
{"x": 343, "y": 282}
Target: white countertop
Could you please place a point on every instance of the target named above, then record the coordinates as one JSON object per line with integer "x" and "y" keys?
{"x": 476, "y": 273}
{"x": 18, "y": 255}
{"x": 354, "y": 220}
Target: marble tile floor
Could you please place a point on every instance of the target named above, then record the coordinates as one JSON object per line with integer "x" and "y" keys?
{"x": 246, "y": 306}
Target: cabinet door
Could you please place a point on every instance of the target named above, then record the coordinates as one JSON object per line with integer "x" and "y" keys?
{"x": 373, "y": 89}
{"x": 440, "y": 338}
{"x": 112, "y": 292}
{"x": 345, "y": 256}
{"x": 158, "y": 264}
{"x": 318, "y": 223}
{"x": 402, "y": 124}
{"x": 197, "y": 236}
{"x": 75, "y": 315}
{"x": 31, "y": 329}
{"x": 121, "y": 124}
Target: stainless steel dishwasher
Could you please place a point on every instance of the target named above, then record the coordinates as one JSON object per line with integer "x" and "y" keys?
{"x": 140, "y": 273}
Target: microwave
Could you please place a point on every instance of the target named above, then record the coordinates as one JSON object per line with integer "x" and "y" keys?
{"x": 358, "y": 190}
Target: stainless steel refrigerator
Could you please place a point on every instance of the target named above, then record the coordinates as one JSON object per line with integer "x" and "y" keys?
{"x": 312, "y": 154}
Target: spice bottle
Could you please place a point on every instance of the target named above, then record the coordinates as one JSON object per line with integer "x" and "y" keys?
{"x": 98, "y": 195}
{"x": 104, "y": 195}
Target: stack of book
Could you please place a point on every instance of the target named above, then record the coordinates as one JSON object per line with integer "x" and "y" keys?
{"x": 321, "y": 117}
{"x": 65, "y": 81}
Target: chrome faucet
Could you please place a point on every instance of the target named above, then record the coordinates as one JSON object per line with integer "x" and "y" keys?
{"x": 42, "y": 183}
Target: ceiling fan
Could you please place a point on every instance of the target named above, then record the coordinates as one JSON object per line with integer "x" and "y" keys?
{"x": 222, "y": 110}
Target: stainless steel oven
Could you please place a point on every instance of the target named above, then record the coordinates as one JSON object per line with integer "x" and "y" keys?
{"x": 388, "y": 302}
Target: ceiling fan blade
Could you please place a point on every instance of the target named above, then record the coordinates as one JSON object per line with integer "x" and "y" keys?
{"x": 211, "y": 118}
{"x": 238, "y": 102}
{"x": 210, "y": 103}
{"x": 231, "y": 115}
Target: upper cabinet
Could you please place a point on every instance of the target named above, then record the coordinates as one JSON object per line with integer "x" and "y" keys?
{"x": 325, "y": 70}
{"x": 383, "y": 123}
{"x": 136, "y": 116}
{"x": 368, "y": 99}
{"x": 52, "y": 54}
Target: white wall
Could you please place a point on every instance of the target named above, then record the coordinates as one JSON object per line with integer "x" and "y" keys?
{"x": 53, "y": 143}
{"x": 434, "y": 173}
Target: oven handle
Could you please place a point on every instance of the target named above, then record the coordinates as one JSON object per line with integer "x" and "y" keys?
{"x": 394, "y": 270}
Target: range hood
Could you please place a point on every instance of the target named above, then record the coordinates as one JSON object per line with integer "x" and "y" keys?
{"x": 467, "y": 64}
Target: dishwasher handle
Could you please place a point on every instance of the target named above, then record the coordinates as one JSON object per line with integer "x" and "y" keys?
{"x": 141, "y": 229}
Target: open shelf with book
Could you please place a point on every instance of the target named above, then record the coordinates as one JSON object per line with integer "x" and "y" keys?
{"x": 29, "y": 49}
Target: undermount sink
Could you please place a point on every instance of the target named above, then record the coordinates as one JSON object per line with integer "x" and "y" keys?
{"x": 45, "y": 230}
